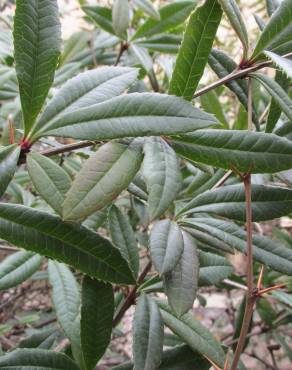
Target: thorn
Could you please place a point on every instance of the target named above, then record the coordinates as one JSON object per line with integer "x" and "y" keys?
{"x": 226, "y": 364}
{"x": 11, "y": 129}
{"x": 216, "y": 367}
{"x": 238, "y": 173}
{"x": 270, "y": 289}
{"x": 260, "y": 280}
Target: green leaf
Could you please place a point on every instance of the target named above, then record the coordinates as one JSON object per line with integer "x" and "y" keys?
{"x": 102, "y": 178}
{"x": 97, "y": 312}
{"x": 272, "y": 254}
{"x": 233, "y": 13}
{"x": 284, "y": 64}
{"x": 253, "y": 152}
{"x": 166, "y": 245}
{"x": 277, "y": 92}
{"x": 42, "y": 339}
{"x": 180, "y": 357}
{"x": 162, "y": 175}
{"x": 275, "y": 110}
{"x": 268, "y": 202}
{"x": 165, "y": 43}
{"x": 28, "y": 359}
{"x": 75, "y": 245}
{"x": 148, "y": 8}
{"x": 147, "y": 335}
{"x": 213, "y": 268}
{"x": 283, "y": 297}
{"x": 37, "y": 34}
{"x": 124, "y": 238}
{"x": 195, "y": 49}
{"x": 194, "y": 334}
{"x": 101, "y": 15}
{"x": 171, "y": 16}
{"x": 66, "y": 300}
{"x": 9, "y": 156}
{"x": 272, "y": 6}
{"x": 211, "y": 104}
{"x": 121, "y": 17}
{"x": 49, "y": 179}
{"x": 86, "y": 89}
{"x": 132, "y": 115}
{"x": 223, "y": 65}
{"x": 181, "y": 283}
{"x": 276, "y": 36}
{"x": 18, "y": 267}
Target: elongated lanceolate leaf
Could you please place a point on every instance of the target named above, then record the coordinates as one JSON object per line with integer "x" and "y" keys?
{"x": 272, "y": 254}
{"x": 276, "y": 36}
{"x": 277, "y": 92}
{"x": 8, "y": 163}
{"x": 97, "y": 312}
{"x": 171, "y": 16}
{"x": 131, "y": 115}
{"x": 284, "y": 64}
{"x": 252, "y": 152}
{"x": 268, "y": 202}
{"x": 148, "y": 335}
{"x": 17, "y": 268}
{"x": 101, "y": 15}
{"x": 86, "y": 89}
{"x": 36, "y": 359}
{"x": 196, "y": 46}
{"x": 102, "y": 178}
{"x": 166, "y": 245}
{"x": 162, "y": 175}
{"x": 75, "y": 245}
{"x": 213, "y": 268}
{"x": 232, "y": 11}
{"x": 123, "y": 237}
{"x": 37, "y": 49}
{"x": 121, "y": 17}
{"x": 181, "y": 283}
{"x": 148, "y": 8}
{"x": 66, "y": 299}
{"x": 193, "y": 333}
{"x": 49, "y": 179}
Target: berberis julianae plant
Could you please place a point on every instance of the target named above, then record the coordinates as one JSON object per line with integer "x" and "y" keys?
{"x": 143, "y": 192}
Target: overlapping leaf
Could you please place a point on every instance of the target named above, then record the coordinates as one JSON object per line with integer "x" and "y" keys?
{"x": 121, "y": 17}
{"x": 101, "y": 15}
{"x": 213, "y": 268}
{"x": 148, "y": 8}
{"x": 9, "y": 156}
{"x": 284, "y": 64}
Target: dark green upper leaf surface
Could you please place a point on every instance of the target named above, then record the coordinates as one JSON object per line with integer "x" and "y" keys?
{"x": 213, "y": 268}
{"x": 194, "y": 334}
{"x": 86, "y": 89}
{"x": 75, "y": 245}
{"x": 8, "y": 163}
{"x": 37, "y": 48}
{"x": 196, "y": 46}
{"x": 147, "y": 334}
{"x": 38, "y": 359}
{"x": 18, "y": 267}
{"x": 102, "y": 178}
{"x": 97, "y": 312}
{"x": 253, "y": 152}
{"x": 268, "y": 202}
{"x": 101, "y": 15}
{"x": 284, "y": 64}
{"x": 132, "y": 115}
{"x": 276, "y": 36}
{"x": 171, "y": 16}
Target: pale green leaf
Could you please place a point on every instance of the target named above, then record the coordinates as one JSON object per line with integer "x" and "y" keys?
{"x": 284, "y": 64}
{"x": 124, "y": 238}
{"x": 162, "y": 175}
{"x": 101, "y": 15}
{"x": 37, "y": 34}
{"x": 97, "y": 312}
{"x": 233, "y": 13}
{"x": 75, "y": 245}
{"x": 268, "y": 202}
{"x": 165, "y": 43}
{"x": 9, "y": 156}
{"x": 181, "y": 283}
{"x": 166, "y": 245}
{"x": 148, "y": 8}
{"x": 211, "y": 104}
{"x": 194, "y": 334}
{"x": 132, "y": 115}
{"x": 147, "y": 335}
{"x": 49, "y": 179}
{"x": 253, "y": 152}
{"x": 283, "y": 297}
{"x": 276, "y": 36}
{"x": 17, "y": 268}
{"x": 121, "y": 17}
{"x": 102, "y": 178}
{"x": 195, "y": 49}
{"x": 171, "y": 16}
{"x": 87, "y": 89}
